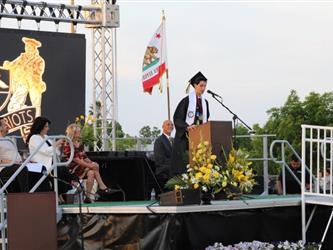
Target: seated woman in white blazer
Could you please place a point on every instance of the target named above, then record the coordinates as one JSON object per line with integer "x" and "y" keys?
{"x": 38, "y": 133}
{"x": 44, "y": 155}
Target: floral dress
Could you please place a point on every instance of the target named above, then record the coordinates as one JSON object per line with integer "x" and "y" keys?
{"x": 75, "y": 168}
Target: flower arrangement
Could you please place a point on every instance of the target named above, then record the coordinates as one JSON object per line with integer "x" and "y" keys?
{"x": 204, "y": 172}
{"x": 239, "y": 173}
{"x": 258, "y": 245}
{"x": 87, "y": 130}
{"x": 209, "y": 176}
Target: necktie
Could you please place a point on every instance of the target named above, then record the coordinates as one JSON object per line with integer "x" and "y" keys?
{"x": 170, "y": 140}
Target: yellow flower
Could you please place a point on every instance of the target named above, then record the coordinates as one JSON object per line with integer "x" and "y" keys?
{"x": 199, "y": 145}
{"x": 239, "y": 175}
{"x": 244, "y": 178}
{"x": 206, "y": 177}
{"x": 198, "y": 175}
{"x": 206, "y": 143}
{"x": 194, "y": 159}
{"x": 177, "y": 187}
{"x": 203, "y": 169}
{"x": 216, "y": 174}
{"x": 231, "y": 158}
{"x": 213, "y": 157}
{"x": 196, "y": 186}
{"x": 82, "y": 117}
{"x": 210, "y": 166}
{"x": 90, "y": 119}
{"x": 77, "y": 119}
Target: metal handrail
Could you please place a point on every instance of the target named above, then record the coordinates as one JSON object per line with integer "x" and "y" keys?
{"x": 3, "y": 223}
{"x": 55, "y": 162}
{"x": 17, "y": 172}
{"x": 285, "y": 164}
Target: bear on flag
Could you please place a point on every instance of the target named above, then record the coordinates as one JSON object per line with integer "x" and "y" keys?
{"x": 155, "y": 60}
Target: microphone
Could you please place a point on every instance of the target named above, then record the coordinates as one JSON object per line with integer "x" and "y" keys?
{"x": 212, "y": 93}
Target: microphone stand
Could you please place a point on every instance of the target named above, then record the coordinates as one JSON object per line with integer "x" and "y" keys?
{"x": 79, "y": 191}
{"x": 234, "y": 118}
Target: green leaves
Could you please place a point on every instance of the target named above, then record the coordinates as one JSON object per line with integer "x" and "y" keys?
{"x": 175, "y": 181}
{"x": 285, "y": 122}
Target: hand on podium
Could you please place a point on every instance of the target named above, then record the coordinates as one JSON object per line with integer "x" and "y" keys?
{"x": 192, "y": 127}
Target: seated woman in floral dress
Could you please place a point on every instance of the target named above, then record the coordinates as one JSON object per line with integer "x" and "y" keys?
{"x": 82, "y": 166}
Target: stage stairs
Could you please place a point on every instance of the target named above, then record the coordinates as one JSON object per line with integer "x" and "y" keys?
{"x": 5, "y": 184}
{"x": 317, "y": 152}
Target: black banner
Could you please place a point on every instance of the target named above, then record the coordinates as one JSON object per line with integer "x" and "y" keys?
{"x": 52, "y": 76}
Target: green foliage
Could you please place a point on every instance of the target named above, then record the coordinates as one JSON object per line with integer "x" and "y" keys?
{"x": 124, "y": 142}
{"x": 285, "y": 122}
{"x": 175, "y": 181}
{"x": 243, "y": 142}
{"x": 148, "y": 132}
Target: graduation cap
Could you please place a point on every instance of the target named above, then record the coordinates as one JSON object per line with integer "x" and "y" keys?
{"x": 198, "y": 77}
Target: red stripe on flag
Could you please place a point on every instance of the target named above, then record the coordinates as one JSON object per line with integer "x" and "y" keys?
{"x": 151, "y": 82}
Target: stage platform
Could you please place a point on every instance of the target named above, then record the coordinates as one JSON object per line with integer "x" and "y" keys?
{"x": 146, "y": 225}
{"x": 147, "y": 207}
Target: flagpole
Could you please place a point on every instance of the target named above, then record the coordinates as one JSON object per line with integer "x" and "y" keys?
{"x": 167, "y": 68}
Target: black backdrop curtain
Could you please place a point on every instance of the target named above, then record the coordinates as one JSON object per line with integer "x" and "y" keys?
{"x": 190, "y": 230}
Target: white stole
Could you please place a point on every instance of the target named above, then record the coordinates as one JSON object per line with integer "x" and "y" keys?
{"x": 192, "y": 106}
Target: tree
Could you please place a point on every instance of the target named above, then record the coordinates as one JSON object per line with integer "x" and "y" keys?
{"x": 123, "y": 140}
{"x": 243, "y": 142}
{"x": 147, "y": 134}
{"x": 286, "y": 121}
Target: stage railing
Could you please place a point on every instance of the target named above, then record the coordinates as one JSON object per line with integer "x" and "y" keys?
{"x": 285, "y": 145}
{"x": 264, "y": 159}
{"x": 55, "y": 163}
{"x": 317, "y": 153}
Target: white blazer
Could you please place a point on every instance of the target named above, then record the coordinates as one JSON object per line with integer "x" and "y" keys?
{"x": 44, "y": 154}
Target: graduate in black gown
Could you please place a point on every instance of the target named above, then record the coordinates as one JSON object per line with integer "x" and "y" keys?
{"x": 192, "y": 111}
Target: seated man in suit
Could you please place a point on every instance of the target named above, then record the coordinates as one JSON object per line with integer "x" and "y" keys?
{"x": 162, "y": 155}
{"x": 7, "y": 152}
{"x": 292, "y": 185}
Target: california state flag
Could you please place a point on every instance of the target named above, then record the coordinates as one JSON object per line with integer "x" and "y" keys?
{"x": 155, "y": 60}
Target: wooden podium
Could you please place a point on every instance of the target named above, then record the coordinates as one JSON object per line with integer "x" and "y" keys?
{"x": 32, "y": 223}
{"x": 217, "y": 133}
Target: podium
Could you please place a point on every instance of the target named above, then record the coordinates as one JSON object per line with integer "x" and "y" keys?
{"x": 217, "y": 133}
{"x": 32, "y": 223}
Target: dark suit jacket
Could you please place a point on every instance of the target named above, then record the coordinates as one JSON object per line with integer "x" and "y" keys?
{"x": 162, "y": 155}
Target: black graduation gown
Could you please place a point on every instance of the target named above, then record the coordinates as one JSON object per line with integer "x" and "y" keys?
{"x": 179, "y": 158}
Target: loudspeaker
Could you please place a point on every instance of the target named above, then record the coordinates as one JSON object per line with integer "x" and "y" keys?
{"x": 180, "y": 197}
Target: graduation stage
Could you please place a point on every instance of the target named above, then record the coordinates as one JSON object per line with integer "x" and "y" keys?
{"x": 146, "y": 225}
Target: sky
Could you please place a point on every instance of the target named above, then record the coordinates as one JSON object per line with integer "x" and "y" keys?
{"x": 252, "y": 52}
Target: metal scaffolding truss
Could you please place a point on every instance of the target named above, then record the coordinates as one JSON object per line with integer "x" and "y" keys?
{"x": 103, "y": 17}
{"x": 104, "y": 88}
{"x": 43, "y": 11}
